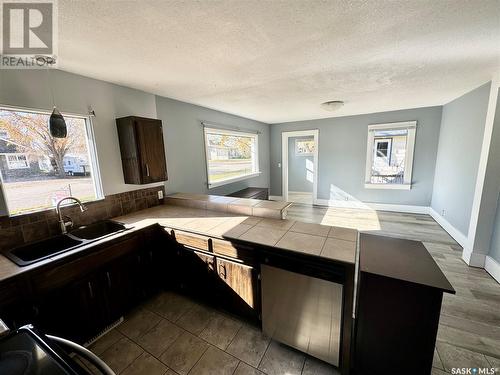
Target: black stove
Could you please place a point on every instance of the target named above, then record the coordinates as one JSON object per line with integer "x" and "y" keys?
{"x": 26, "y": 351}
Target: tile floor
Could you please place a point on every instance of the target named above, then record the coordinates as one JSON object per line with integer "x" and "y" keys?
{"x": 172, "y": 334}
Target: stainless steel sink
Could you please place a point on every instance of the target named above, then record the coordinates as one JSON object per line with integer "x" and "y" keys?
{"x": 37, "y": 251}
{"x": 97, "y": 230}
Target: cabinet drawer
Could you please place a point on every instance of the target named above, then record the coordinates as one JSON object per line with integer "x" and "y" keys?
{"x": 192, "y": 240}
{"x": 60, "y": 275}
{"x": 229, "y": 249}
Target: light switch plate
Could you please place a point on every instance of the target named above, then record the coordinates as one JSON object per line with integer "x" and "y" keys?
{"x": 160, "y": 194}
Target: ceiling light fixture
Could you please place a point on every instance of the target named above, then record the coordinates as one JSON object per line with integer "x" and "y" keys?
{"x": 332, "y": 105}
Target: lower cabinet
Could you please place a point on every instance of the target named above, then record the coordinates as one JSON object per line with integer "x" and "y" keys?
{"x": 81, "y": 306}
{"x": 238, "y": 288}
{"x": 218, "y": 280}
{"x": 76, "y": 312}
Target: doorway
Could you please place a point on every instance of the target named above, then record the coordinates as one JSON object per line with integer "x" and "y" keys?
{"x": 300, "y": 166}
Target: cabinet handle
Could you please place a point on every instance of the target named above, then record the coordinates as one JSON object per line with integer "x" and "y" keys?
{"x": 91, "y": 291}
{"x": 108, "y": 276}
{"x": 147, "y": 169}
{"x": 224, "y": 272}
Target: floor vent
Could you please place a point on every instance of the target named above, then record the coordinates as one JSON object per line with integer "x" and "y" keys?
{"x": 103, "y": 332}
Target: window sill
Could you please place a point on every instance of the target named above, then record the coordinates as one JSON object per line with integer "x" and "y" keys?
{"x": 231, "y": 180}
{"x": 388, "y": 186}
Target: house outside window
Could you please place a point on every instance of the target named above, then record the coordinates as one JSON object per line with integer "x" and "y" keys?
{"x": 37, "y": 170}
{"x": 230, "y": 155}
{"x": 17, "y": 161}
{"x": 389, "y": 155}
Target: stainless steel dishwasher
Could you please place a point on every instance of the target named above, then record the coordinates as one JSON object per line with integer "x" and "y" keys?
{"x": 302, "y": 311}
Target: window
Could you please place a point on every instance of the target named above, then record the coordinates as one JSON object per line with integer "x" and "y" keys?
{"x": 231, "y": 156}
{"x": 37, "y": 170}
{"x": 389, "y": 155}
{"x": 304, "y": 147}
{"x": 17, "y": 161}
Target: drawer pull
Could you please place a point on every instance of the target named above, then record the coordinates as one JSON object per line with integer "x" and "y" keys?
{"x": 91, "y": 291}
{"x": 108, "y": 277}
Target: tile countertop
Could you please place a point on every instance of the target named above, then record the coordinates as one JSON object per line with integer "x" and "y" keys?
{"x": 240, "y": 206}
{"x": 333, "y": 243}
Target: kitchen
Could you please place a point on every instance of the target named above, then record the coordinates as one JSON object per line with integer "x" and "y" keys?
{"x": 174, "y": 250}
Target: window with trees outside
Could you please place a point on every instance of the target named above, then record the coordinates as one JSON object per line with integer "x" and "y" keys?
{"x": 389, "y": 155}
{"x": 37, "y": 170}
{"x": 231, "y": 156}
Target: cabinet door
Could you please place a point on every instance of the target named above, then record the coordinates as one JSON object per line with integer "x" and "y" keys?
{"x": 238, "y": 288}
{"x": 77, "y": 312}
{"x": 121, "y": 282}
{"x": 197, "y": 273}
{"x": 152, "y": 150}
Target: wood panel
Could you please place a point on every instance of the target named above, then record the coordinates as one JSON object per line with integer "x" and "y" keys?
{"x": 142, "y": 149}
{"x": 242, "y": 280}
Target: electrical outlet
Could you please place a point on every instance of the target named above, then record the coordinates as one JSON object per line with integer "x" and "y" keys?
{"x": 160, "y": 194}
{"x": 443, "y": 213}
{"x": 279, "y": 165}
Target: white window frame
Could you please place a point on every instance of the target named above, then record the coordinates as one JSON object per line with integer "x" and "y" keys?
{"x": 411, "y": 126}
{"x": 17, "y": 155}
{"x": 255, "y": 162}
{"x": 91, "y": 146}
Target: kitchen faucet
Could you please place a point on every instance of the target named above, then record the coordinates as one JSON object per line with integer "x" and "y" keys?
{"x": 64, "y": 224}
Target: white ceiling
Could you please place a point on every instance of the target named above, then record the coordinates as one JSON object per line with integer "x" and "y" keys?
{"x": 276, "y": 61}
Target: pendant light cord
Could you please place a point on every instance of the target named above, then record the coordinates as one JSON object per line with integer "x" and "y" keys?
{"x": 50, "y": 85}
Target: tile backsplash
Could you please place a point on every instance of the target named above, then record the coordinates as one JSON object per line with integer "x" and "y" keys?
{"x": 15, "y": 231}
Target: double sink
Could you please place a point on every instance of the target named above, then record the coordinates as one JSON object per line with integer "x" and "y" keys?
{"x": 37, "y": 251}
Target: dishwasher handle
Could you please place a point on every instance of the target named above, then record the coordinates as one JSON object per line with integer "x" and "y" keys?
{"x": 85, "y": 353}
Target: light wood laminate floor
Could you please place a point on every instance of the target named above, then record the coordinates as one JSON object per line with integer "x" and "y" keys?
{"x": 469, "y": 328}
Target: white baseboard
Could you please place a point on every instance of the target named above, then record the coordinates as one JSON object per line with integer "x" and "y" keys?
{"x": 275, "y": 197}
{"x": 473, "y": 259}
{"x": 373, "y": 206}
{"x": 452, "y": 231}
{"x": 492, "y": 267}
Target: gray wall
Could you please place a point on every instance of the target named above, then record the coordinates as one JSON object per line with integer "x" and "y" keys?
{"x": 74, "y": 94}
{"x": 185, "y": 148}
{"x": 183, "y": 134}
{"x": 342, "y": 155}
{"x": 460, "y": 144}
{"x": 487, "y": 239}
{"x": 297, "y": 170}
{"x": 495, "y": 239}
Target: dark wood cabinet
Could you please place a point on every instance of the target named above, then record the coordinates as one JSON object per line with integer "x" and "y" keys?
{"x": 400, "y": 290}
{"x": 238, "y": 288}
{"x": 142, "y": 150}
{"x": 77, "y": 311}
{"x": 78, "y": 299}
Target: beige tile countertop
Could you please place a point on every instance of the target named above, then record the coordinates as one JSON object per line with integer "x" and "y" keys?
{"x": 334, "y": 243}
{"x": 241, "y": 206}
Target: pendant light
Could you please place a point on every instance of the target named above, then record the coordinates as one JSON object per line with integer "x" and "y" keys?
{"x": 57, "y": 124}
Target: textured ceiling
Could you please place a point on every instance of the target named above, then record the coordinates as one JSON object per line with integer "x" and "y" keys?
{"x": 276, "y": 61}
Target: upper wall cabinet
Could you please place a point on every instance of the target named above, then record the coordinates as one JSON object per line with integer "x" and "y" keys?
{"x": 142, "y": 150}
